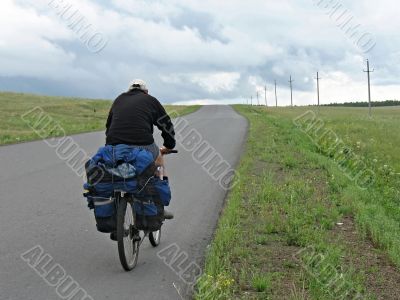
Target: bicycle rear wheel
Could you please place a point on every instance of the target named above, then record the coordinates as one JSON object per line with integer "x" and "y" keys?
{"x": 155, "y": 238}
{"x": 128, "y": 244}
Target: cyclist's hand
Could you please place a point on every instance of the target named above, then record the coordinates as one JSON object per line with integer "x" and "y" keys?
{"x": 164, "y": 150}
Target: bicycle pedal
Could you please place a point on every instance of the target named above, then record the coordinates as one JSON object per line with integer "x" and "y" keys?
{"x": 137, "y": 238}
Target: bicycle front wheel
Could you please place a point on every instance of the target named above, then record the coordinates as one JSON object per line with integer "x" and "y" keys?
{"x": 155, "y": 238}
{"x": 128, "y": 244}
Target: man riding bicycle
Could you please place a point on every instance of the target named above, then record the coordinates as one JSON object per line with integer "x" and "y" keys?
{"x": 132, "y": 118}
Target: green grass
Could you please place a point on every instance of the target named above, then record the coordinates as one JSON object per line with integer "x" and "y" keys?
{"x": 376, "y": 142}
{"x": 72, "y": 114}
{"x": 281, "y": 217}
{"x": 262, "y": 282}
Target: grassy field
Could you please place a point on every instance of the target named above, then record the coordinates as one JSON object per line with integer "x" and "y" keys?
{"x": 74, "y": 115}
{"x": 300, "y": 224}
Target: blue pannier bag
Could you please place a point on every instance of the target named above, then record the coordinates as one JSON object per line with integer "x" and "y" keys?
{"x": 149, "y": 204}
{"x": 149, "y": 213}
{"x": 164, "y": 191}
{"x": 129, "y": 169}
{"x": 104, "y": 212}
{"x": 113, "y": 168}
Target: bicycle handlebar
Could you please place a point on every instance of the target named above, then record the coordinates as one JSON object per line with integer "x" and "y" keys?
{"x": 168, "y": 151}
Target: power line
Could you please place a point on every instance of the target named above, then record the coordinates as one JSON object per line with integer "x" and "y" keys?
{"x": 291, "y": 90}
{"x": 368, "y": 71}
{"x": 276, "y": 96}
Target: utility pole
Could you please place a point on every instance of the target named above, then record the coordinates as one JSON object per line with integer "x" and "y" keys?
{"x": 276, "y": 96}
{"x": 368, "y": 71}
{"x": 318, "y": 78}
{"x": 251, "y": 100}
{"x": 265, "y": 90}
{"x": 258, "y": 100}
{"x": 291, "y": 90}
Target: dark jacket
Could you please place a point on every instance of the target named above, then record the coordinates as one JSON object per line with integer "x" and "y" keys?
{"x": 132, "y": 117}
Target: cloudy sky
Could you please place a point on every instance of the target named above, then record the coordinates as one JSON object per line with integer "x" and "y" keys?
{"x": 201, "y": 51}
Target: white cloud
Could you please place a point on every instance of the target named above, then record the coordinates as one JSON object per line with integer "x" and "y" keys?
{"x": 191, "y": 50}
{"x": 29, "y": 48}
{"x": 217, "y": 82}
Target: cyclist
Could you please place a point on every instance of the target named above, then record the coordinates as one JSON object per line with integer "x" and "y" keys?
{"x": 132, "y": 118}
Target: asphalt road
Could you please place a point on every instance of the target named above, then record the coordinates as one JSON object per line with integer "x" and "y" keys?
{"x": 42, "y": 205}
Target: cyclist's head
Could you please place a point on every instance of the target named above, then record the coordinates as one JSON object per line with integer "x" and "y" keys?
{"x": 139, "y": 84}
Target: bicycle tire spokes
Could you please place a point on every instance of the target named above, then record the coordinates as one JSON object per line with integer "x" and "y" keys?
{"x": 128, "y": 246}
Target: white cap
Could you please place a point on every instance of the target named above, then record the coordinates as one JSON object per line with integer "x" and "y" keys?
{"x": 138, "y": 84}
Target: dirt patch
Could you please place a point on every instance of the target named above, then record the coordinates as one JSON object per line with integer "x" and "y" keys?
{"x": 273, "y": 256}
{"x": 276, "y": 169}
{"x": 382, "y": 279}
{"x": 279, "y": 259}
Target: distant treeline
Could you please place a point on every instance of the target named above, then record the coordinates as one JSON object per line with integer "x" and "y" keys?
{"x": 365, "y": 104}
